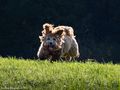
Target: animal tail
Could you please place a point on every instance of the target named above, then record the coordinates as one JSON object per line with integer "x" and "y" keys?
{"x": 69, "y": 31}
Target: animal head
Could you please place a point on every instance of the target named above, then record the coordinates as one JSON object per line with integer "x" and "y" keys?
{"x": 51, "y": 39}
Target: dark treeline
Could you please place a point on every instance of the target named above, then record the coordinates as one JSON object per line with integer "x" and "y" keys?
{"x": 96, "y": 24}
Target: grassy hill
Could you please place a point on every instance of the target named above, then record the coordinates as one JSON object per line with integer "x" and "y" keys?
{"x": 43, "y": 75}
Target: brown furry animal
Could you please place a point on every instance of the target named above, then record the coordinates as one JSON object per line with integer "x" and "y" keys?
{"x": 58, "y": 42}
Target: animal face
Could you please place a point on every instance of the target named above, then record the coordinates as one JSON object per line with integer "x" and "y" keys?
{"x": 52, "y": 41}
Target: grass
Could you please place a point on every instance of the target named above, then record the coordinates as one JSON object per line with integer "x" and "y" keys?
{"x": 43, "y": 75}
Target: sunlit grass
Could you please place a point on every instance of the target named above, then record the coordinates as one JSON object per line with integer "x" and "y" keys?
{"x": 43, "y": 75}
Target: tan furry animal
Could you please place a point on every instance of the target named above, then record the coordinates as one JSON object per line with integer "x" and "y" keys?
{"x": 58, "y": 42}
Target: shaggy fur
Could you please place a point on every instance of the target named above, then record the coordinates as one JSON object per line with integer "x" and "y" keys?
{"x": 58, "y": 42}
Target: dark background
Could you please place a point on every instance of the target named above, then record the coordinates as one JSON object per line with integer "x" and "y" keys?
{"x": 96, "y": 24}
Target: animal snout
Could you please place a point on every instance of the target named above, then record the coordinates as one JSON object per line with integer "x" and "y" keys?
{"x": 51, "y": 45}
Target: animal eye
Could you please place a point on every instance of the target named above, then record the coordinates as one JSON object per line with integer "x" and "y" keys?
{"x": 54, "y": 39}
{"x": 48, "y": 38}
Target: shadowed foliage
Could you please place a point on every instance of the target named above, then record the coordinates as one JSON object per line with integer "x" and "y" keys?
{"x": 96, "y": 24}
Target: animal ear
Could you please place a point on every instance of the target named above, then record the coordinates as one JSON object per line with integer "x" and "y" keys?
{"x": 59, "y": 32}
{"x": 41, "y": 38}
{"x": 47, "y": 28}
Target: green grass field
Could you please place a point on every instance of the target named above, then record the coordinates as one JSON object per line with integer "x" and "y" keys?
{"x": 43, "y": 75}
